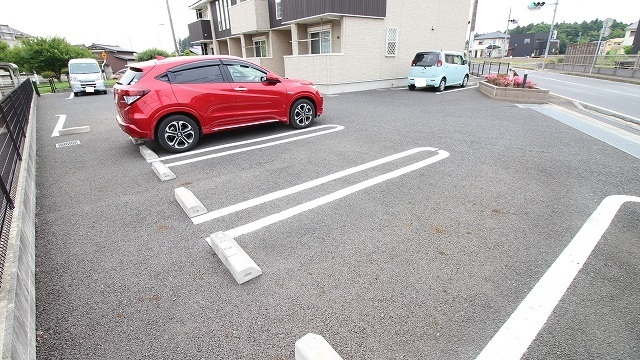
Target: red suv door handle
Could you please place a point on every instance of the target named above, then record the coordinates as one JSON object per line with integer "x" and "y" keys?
{"x": 240, "y": 89}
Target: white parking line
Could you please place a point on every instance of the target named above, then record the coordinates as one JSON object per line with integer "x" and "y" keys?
{"x": 244, "y": 229}
{"x": 177, "y": 163}
{"x": 59, "y": 125}
{"x": 70, "y": 97}
{"x": 454, "y": 90}
{"x": 515, "y": 336}
{"x": 304, "y": 186}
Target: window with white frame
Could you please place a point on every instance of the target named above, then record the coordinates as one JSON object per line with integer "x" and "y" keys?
{"x": 278, "y": 9}
{"x": 392, "y": 41}
{"x": 260, "y": 47}
{"x": 320, "y": 40}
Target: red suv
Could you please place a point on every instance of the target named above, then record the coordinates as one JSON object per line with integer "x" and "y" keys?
{"x": 177, "y": 100}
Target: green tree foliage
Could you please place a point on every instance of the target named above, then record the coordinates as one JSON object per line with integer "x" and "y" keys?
{"x": 46, "y": 54}
{"x": 184, "y": 44}
{"x": 569, "y": 33}
{"x": 5, "y": 53}
{"x": 150, "y": 54}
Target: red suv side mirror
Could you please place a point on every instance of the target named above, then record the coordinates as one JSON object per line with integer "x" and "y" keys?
{"x": 273, "y": 78}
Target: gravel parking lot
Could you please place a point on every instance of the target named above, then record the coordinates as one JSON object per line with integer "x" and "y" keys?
{"x": 427, "y": 264}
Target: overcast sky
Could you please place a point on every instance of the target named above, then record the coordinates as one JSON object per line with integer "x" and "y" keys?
{"x": 493, "y": 14}
{"x": 142, "y": 24}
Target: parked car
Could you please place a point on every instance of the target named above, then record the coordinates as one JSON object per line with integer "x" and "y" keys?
{"x": 85, "y": 77}
{"x": 177, "y": 100}
{"x": 438, "y": 69}
{"x": 118, "y": 74}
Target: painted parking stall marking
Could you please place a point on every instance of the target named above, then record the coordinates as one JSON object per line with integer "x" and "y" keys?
{"x": 304, "y": 186}
{"x": 519, "y": 331}
{"x": 240, "y": 265}
{"x": 160, "y": 161}
{"x": 244, "y": 229}
{"x": 58, "y": 130}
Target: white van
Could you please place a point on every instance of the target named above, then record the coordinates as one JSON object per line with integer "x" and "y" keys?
{"x": 85, "y": 76}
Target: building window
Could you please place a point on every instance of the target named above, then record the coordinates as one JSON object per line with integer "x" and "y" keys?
{"x": 320, "y": 41}
{"x": 392, "y": 41}
{"x": 260, "y": 48}
{"x": 201, "y": 13}
{"x": 278, "y": 9}
{"x": 527, "y": 41}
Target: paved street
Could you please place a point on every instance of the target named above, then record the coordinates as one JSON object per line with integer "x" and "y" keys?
{"x": 618, "y": 96}
{"x": 427, "y": 262}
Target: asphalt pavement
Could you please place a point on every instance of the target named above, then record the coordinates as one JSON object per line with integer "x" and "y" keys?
{"x": 427, "y": 264}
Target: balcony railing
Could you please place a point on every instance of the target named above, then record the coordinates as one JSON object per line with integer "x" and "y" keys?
{"x": 200, "y": 31}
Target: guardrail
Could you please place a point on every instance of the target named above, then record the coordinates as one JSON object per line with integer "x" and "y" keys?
{"x": 15, "y": 108}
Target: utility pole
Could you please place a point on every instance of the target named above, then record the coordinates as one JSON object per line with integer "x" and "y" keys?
{"x": 506, "y": 44}
{"x": 546, "y": 52}
{"x": 472, "y": 28}
{"x": 173, "y": 34}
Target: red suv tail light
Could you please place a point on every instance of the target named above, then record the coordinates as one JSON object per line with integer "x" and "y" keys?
{"x": 132, "y": 95}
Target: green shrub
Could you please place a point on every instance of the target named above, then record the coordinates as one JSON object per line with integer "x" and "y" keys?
{"x": 150, "y": 54}
{"x": 560, "y": 60}
{"x": 48, "y": 74}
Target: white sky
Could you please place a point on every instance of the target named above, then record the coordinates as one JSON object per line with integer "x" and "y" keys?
{"x": 141, "y": 24}
{"x": 493, "y": 14}
{"x": 134, "y": 24}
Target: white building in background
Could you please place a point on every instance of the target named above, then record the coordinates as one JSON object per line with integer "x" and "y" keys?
{"x": 490, "y": 45}
{"x": 630, "y": 34}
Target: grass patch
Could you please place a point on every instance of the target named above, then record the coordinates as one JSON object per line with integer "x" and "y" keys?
{"x": 45, "y": 88}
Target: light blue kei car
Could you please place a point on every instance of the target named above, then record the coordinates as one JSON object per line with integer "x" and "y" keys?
{"x": 438, "y": 69}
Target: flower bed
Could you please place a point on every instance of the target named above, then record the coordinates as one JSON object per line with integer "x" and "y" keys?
{"x": 504, "y": 87}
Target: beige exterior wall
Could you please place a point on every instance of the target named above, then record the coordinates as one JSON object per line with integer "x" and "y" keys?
{"x": 249, "y": 15}
{"x": 358, "y": 44}
{"x": 279, "y": 44}
{"x": 235, "y": 46}
{"x": 362, "y": 43}
{"x": 223, "y": 47}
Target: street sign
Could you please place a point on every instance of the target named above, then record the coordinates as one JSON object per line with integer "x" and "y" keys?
{"x": 104, "y": 55}
{"x": 607, "y": 22}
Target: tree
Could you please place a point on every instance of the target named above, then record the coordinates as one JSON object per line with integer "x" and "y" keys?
{"x": 5, "y": 52}
{"x": 150, "y": 54}
{"x": 184, "y": 44}
{"x": 46, "y": 54}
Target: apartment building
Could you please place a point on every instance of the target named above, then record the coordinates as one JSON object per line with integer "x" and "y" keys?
{"x": 341, "y": 45}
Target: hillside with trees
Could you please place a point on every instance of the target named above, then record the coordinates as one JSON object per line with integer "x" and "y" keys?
{"x": 569, "y": 33}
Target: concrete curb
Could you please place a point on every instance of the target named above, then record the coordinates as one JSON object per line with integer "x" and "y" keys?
{"x": 18, "y": 291}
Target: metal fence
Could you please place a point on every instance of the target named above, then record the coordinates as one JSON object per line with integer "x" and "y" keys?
{"x": 489, "y": 67}
{"x": 15, "y": 108}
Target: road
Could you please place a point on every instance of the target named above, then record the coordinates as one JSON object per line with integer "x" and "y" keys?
{"x": 402, "y": 225}
{"x": 612, "y": 95}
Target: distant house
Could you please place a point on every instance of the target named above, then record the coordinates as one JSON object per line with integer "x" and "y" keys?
{"x": 116, "y": 59}
{"x": 533, "y": 45}
{"x": 614, "y": 46}
{"x": 630, "y": 34}
{"x": 12, "y": 36}
{"x": 490, "y": 45}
